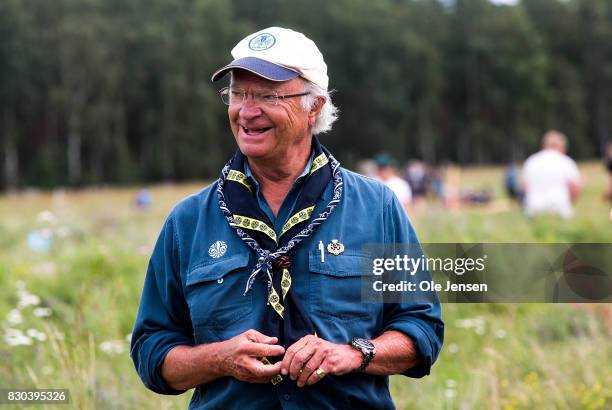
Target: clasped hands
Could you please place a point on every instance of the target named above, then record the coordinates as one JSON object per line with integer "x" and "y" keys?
{"x": 306, "y": 361}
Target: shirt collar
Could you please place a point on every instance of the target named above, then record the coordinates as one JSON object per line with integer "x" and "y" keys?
{"x": 303, "y": 175}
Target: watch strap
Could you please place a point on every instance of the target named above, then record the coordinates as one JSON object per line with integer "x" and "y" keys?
{"x": 368, "y": 352}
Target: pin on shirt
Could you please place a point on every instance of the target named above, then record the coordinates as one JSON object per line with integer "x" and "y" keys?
{"x": 335, "y": 247}
{"x": 322, "y": 250}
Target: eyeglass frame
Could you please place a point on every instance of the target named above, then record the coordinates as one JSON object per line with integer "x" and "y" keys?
{"x": 225, "y": 91}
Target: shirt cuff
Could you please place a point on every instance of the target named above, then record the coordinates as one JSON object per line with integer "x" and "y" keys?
{"x": 422, "y": 344}
{"x": 151, "y": 374}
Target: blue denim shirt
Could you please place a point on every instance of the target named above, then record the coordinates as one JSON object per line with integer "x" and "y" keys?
{"x": 191, "y": 297}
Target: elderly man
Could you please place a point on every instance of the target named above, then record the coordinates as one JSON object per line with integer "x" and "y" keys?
{"x": 551, "y": 179}
{"x": 252, "y": 294}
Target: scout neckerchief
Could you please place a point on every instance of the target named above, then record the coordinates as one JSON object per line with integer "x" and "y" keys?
{"x": 285, "y": 315}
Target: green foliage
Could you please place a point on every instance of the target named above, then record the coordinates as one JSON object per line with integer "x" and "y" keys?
{"x": 509, "y": 356}
{"x": 116, "y": 91}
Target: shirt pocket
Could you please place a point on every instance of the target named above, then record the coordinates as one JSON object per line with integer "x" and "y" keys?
{"x": 336, "y": 286}
{"x": 215, "y": 292}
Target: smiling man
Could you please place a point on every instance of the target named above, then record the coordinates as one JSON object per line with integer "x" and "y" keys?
{"x": 252, "y": 294}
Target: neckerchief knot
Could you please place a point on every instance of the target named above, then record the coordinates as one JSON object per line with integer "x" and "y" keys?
{"x": 282, "y": 262}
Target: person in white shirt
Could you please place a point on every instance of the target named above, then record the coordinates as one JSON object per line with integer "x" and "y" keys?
{"x": 551, "y": 179}
{"x": 387, "y": 174}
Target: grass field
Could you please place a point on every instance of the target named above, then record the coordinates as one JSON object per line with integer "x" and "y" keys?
{"x": 66, "y": 313}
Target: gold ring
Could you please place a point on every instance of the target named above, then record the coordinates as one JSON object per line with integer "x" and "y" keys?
{"x": 320, "y": 373}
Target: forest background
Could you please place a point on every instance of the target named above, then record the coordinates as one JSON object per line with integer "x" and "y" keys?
{"x": 115, "y": 91}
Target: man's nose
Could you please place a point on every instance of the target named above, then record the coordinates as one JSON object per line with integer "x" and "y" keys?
{"x": 250, "y": 108}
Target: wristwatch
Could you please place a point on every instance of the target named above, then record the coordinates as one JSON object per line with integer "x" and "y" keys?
{"x": 366, "y": 348}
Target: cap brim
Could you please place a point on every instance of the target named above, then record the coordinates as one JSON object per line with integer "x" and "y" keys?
{"x": 262, "y": 68}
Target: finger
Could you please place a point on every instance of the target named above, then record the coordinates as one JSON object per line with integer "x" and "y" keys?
{"x": 255, "y": 336}
{"x": 299, "y": 360}
{"x": 264, "y": 350}
{"x": 264, "y": 372}
{"x": 317, "y": 375}
{"x": 309, "y": 375}
{"x": 291, "y": 351}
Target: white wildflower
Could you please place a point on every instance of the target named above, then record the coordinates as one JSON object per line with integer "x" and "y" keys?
{"x": 450, "y": 393}
{"x": 42, "y": 312}
{"x": 46, "y": 216}
{"x": 451, "y": 384}
{"x": 15, "y": 337}
{"x": 500, "y": 333}
{"x": 27, "y": 299}
{"x": 453, "y": 348}
{"x": 63, "y": 232}
{"x": 477, "y": 323}
{"x": 113, "y": 347}
{"x": 20, "y": 285}
{"x": 35, "y": 334}
{"x": 14, "y": 317}
{"x": 128, "y": 338}
{"x": 464, "y": 323}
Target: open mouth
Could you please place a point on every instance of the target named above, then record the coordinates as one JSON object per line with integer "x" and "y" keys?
{"x": 254, "y": 131}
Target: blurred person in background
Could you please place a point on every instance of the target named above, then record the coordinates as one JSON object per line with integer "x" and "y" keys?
{"x": 437, "y": 182}
{"x": 387, "y": 174}
{"x": 143, "y": 199}
{"x": 418, "y": 179}
{"x": 367, "y": 167}
{"x": 252, "y": 294}
{"x": 551, "y": 180}
{"x": 512, "y": 183}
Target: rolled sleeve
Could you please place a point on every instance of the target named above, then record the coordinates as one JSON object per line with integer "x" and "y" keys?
{"x": 163, "y": 320}
{"x": 422, "y": 322}
{"x": 423, "y": 325}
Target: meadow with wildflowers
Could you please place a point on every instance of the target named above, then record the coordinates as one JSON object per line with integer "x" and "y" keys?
{"x": 72, "y": 265}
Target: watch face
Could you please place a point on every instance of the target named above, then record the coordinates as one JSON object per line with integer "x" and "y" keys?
{"x": 363, "y": 344}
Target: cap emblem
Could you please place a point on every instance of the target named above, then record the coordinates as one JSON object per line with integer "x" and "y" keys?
{"x": 262, "y": 42}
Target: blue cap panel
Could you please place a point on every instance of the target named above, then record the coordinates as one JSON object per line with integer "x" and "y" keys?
{"x": 257, "y": 66}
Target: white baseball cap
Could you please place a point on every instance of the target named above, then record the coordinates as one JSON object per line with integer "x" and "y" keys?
{"x": 278, "y": 54}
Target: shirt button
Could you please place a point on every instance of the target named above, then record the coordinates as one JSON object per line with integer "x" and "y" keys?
{"x": 287, "y": 397}
{"x": 220, "y": 280}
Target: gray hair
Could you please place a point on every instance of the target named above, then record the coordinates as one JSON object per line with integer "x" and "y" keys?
{"x": 328, "y": 114}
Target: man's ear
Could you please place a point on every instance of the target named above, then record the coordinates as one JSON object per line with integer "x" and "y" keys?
{"x": 315, "y": 110}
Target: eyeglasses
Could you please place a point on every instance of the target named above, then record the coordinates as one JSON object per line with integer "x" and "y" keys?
{"x": 237, "y": 96}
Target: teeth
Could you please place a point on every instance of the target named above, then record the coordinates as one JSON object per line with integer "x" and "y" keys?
{"x": 248, "y": 130}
